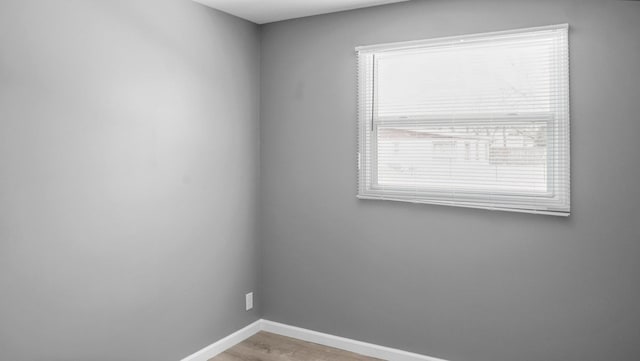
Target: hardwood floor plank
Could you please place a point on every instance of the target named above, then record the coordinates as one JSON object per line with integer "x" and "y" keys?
{"x": 265, "y": 346}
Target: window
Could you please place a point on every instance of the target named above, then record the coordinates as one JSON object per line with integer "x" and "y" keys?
{"x": 476, "y": 121}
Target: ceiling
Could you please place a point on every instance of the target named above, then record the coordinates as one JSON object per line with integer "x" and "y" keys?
{"x": 266, "y": 11}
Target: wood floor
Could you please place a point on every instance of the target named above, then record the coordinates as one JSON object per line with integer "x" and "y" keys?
{"x": 265, "y": 346}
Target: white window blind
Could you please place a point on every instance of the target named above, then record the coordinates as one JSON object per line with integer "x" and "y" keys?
{"x": 476, "y": 121}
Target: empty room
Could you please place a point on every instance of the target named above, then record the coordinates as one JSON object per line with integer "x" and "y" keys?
{"x": 331, "y": 180}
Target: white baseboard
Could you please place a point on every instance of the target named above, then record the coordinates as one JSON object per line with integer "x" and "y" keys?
{"x": 363, "y": 348}
{"x": 223, "y": 344}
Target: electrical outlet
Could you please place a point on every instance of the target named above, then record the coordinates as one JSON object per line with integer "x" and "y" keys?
{"x": 248, "y": 300}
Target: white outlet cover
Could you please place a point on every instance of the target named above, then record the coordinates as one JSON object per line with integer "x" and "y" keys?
{"x": 248, "y": 300}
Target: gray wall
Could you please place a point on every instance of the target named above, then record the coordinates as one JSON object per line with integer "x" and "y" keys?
{"x": 128, "y": 178}
{"x": 461, "y": 284}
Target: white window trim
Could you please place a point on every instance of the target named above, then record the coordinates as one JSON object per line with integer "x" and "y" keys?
{"x": 368, "y": 123}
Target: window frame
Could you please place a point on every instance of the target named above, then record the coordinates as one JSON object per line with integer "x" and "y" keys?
{"x": 549, "y": 202}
